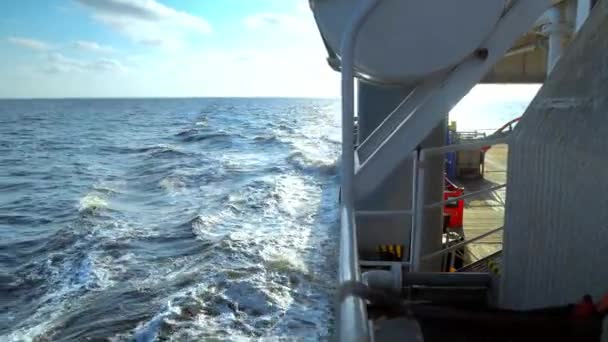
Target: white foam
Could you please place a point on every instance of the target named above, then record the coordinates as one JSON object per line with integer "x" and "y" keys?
{"x": 149, "y": 331}
{"x": 304, "y": 162}
{"x": 172, "y": 184}
{"x": 92, "y": 202}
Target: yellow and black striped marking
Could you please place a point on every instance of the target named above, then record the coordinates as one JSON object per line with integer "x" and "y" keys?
{"x": 390, "y": 252}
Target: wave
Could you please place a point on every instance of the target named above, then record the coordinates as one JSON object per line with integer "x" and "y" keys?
{"x": 51, "y": 286}
{"x": 108, "y": 187}
{"x": 200, "y": 134}
{"x": 205, "y": 136}
{"x": 225, "y": 310}
{"x": 156, "y": 151}
{"x": 92, "y": 203}
{"x": 187, "y": 132}
{"x": 172, "y": 184}
{"x": 164, "y": 151}
{"x": 289, "y": 264}
{"x": 304, "y": 163}
{"x": 266, "y": 139}
{"x": 148, "y": 331}
{"x": 286, "y": 128}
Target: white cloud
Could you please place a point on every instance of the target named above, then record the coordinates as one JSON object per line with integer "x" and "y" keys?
{"x": 29, "y": 43}
{"x": 106, "y": 64}
{"x": 58, "y": 63}
{"x": 260, "y": 72}
{"x": 92, "y": 46}
{"x": 147, "y": 21}
{"x": 262, "y": 59}
{"x": 279, "y": 21}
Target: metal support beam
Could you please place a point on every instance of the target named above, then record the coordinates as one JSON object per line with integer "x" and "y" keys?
{"x": 555, "y": 31}
{"x": 353, "y": 313}
{"x": 460, "y": 245}
{"x": 465, "y": 196}
{"x": 389, "y": 264}
{"x": 383, "y": 131}
{"x": 385, "y": 213}
{"x": 418, "y": 215}
{"x": 352, "y": 318}
{"x": 414, "y": 217}
{"x": 478, "y": 144}
{"x": 446, "y": 279}
{"x": 431, "y": 110}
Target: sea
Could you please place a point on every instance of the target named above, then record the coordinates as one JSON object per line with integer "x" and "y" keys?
{"x": 209, "y": 219}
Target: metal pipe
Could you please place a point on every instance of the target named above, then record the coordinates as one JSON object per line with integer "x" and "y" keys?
{"x": 555, "y": 32}
{"x": 414, "y": 213}
{"x": 419, "y": 213}
{"x": 416, "y": 96}
{"x": 375, "y": 213}
{"x": 465, "y": 196}
{"x": 373, "y": 263}
{"x": 348, "y": 93}
{"x": 353, "y": 323}
{"x": 460, "y": 244}
{"x": 446, "y": 279}
{"x": 433, "y": 151}
{"x": 353, "y": 314}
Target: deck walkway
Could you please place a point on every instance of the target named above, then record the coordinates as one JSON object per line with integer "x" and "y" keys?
{"x": 486, "y": 212}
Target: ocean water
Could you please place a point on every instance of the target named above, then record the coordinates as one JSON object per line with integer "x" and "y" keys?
{"x": 177, "y": 219}
{"x": 168, "y": 219}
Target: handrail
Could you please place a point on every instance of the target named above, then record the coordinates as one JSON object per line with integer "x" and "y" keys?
{"x": 352, "y": 323}
{"x": 460, "y": 244}
{"x": 349, "y": 42}
{"x": 373, "y": 213}
{"x": 418, "y": 198}
{"x": 465, "y": 196}
{"x": 479, "y": 143}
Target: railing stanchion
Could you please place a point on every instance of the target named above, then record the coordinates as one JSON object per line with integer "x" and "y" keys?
{"x": 419, "y": 211}
{"x": 352, "y": 317}
{"x": 413, "y": 206}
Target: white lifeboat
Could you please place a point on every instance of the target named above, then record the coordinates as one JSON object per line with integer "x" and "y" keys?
{"x": 404, "y": 41}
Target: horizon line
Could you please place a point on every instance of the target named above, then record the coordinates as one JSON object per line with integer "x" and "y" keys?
{"x": 165, "y": 97}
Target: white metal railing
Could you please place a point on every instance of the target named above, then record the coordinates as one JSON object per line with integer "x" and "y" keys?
{"x": 352, "y": 317}
{"x": 418, "y": 206}
{"x": 418, "y": 197}
{"x": 465, "y": 196}
{"x": 353, "y": 324}
{"x": 459, "y": 245}
{"x": 375, "y": 213}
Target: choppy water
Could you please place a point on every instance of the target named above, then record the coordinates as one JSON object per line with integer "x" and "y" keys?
{"x": 167, "y": 219}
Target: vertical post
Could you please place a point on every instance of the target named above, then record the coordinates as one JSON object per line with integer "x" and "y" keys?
{"x": 348, "y": 148}
{"x": 353, "y": 323}
{"x": 419, "y": 212}
{"x": 415, "y": 160}
{"x": 349, "y": 41}
{"x": 555, "y": 32}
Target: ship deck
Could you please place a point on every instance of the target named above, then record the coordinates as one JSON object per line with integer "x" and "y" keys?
{"x": 486, "y": 212}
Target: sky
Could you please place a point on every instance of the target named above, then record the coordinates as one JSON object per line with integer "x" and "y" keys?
{"x": 174, "y": 48}
{"x": 166, "y": 48}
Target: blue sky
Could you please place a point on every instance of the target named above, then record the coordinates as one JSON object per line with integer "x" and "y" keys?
{"x": 132, "y": 48}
